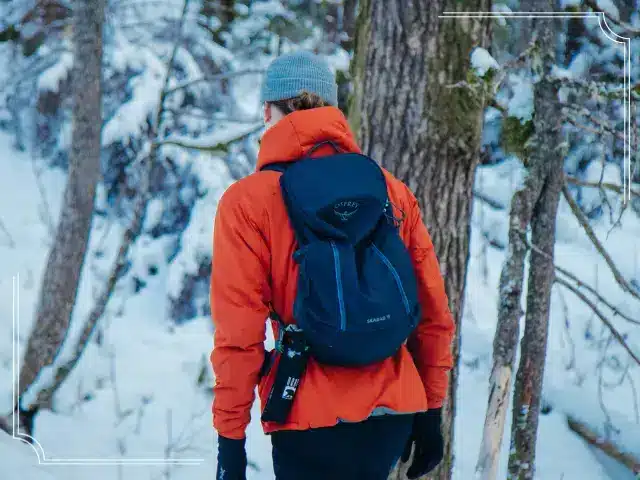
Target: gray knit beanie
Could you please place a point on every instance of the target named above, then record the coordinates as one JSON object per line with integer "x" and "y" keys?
{"x": 288, "y": 75}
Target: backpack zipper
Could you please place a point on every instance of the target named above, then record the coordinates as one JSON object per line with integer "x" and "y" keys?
{"x": 336, "y": 261}
{"x": 395, "y": 276}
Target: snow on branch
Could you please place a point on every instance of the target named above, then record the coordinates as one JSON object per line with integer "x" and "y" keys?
{"x": 584, "y": 222}
{"x": 217, "y": 143}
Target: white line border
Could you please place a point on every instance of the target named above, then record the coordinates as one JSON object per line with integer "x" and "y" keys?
{"x": 611, "y": 35}
{"x": 37, "y": 447}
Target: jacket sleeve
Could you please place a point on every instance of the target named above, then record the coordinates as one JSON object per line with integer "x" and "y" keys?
{"x": 239, "y": 306}
{"x": 430, "y": 343}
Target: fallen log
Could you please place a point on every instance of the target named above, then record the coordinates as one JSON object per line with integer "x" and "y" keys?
{"x": 607, "y": 446}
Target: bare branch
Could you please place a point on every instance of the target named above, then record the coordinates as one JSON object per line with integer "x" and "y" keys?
{"x": 580, "y": 283}
{"x": 584, "y": 221}
{"x": 602, "y": 185}
{"x": 617, "y": 335}
{"x": 628, "y": 28}
{"x": 45, "y": 213}
{"x": 10, "y": 242}
{"x": 495, "y": 204}
{"x": 603, "y": 127}
{"x": 214, "y": 78}
{"x": 593, "y": 86}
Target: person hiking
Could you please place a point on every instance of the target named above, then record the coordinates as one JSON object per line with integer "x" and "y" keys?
{"x": 333, "y": 250}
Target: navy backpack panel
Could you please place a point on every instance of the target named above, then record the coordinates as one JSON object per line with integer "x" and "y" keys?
{"x": 357, "y": 299}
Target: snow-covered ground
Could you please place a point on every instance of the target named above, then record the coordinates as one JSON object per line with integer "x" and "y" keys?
{"x": 143, "y": 393}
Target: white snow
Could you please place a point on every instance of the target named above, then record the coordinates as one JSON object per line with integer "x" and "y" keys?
{"x": 569, "y": 3}
{"x": 482, "y": 61}
{"x": 501, "y": 8}
{"x": 608, "y": 7}
{"x": 521, "y": 103}
{"x": 51, "y": 78}
{"x": 24, "y": 461}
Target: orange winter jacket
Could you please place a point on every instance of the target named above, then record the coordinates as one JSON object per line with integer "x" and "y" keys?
{"x": 253, "y": 267}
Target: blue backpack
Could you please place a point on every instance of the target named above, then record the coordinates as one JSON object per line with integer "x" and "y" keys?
{"x": 357, "y": 299}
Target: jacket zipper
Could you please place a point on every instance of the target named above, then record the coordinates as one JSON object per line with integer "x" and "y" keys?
{"x": 395, "y": 276}
{"x": 336, "y": 261}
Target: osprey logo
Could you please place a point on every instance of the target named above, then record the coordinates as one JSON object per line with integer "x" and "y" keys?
{"x": 345, "y": 210}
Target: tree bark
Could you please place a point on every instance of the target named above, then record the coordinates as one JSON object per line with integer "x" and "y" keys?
{"x": 64, "y": 264}
{"x": 545, "y": 151}
{"x": 408, "y": 118}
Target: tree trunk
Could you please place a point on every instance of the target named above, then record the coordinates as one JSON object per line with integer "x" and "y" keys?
{"x": 427, "y": 134}
{"x": 348, "y": 23}
{"x": 64, "y": 264}
{"x": 534, "y": 343}
{"x": 507, "y": 333}
{"x": 545, "y": 151}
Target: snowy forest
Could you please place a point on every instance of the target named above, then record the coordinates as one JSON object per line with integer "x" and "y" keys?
{"x": 122, "y": 122}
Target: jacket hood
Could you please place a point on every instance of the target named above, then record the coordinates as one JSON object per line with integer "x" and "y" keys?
{"x": 292, "y": 137}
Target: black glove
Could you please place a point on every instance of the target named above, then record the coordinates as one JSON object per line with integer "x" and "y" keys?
{"x": 232, "y": 459}
{"x": 426, "y": 436}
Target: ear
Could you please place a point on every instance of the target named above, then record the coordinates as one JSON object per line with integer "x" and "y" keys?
{"x": 267, "y": 112}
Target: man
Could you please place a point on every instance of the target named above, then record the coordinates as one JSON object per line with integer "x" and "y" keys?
{"x": 346, "y": 422}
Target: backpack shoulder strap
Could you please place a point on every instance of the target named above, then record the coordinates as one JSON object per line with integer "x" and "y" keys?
{"x": 276, "y": 167}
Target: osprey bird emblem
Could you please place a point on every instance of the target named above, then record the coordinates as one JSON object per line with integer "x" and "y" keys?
{"x": 345, "y": 210}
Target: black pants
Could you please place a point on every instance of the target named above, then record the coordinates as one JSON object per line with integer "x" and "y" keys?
{"x": 348, "y": 451}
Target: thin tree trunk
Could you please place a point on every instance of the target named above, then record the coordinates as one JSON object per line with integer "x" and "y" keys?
{"x": 546, "y": 148}
{"x": 507, "y": 333}
{"x": 64, "y": 265}
{"x": 533, "y": 203}
{"x": 407, "y": 117}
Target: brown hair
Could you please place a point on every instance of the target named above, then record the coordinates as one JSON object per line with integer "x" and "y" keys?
{"x": 304, "y": 101}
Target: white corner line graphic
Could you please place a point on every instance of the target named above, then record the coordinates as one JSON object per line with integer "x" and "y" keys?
{"x": 626, "y": 41}
{"x": 29, "y": 440}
